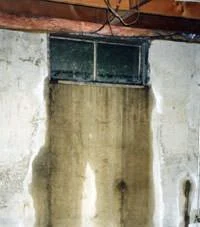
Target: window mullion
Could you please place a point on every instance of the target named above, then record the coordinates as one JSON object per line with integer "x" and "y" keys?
{"x": 95, "y": 62}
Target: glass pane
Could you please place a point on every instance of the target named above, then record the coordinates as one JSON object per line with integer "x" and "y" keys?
{"x": 118, "y": 63}
{"x": 71, "y": 60}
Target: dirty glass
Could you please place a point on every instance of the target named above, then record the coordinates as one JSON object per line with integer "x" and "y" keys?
{"x": 71, "y": 60}
{"x": 77, "y": 60}
{"x": 118, "y": 63}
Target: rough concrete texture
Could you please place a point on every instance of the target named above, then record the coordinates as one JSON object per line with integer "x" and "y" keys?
{"x": 175, "y": 79}
{"x": 100, "y": 157}
{"x": 100, "y": 177}
{"x": 23, "y": 69}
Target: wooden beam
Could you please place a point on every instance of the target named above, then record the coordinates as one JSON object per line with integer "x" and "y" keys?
{"x": 38, "y": 8}
{"x": 147, "y": 25}
{"x": 172, "y": 8}
{"x": 45, "y": 8}
{"x": 119, "y": 4}
{"x": 124, "y": 5}
{"x": 31, "y": 9}
{"x": 55, "y": 25}
{"x": 165, "y": 23}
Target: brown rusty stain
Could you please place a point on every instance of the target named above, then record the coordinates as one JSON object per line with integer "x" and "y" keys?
{"x": 107, "y": 128}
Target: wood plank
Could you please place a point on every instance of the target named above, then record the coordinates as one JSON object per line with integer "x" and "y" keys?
{"x": 172, "y": 8}
{"x": 165, "y": 23}
{"x": 56, "y": 17}
{"x": 124, "y": 5}
{"x": 37, "y": 8}
{"x": 76, "y": 12}
{"x": 58, "y": 25}
{"x": 148, "y": 25}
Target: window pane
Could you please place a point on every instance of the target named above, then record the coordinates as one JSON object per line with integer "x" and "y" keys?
{"x": 118, "y": 63}
{"x": 71, "y": 60}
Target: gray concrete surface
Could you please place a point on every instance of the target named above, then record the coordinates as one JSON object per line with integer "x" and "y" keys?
{"x": 175, "y": 81}
{"x": 25, "y": 182}
{"x": 23, "y": 70}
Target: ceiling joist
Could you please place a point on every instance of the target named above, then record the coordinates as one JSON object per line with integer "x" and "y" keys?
{"x": 115, "y": 4}
{"x": 123, "y": 5}
{"x": 55, "y": 25}
{"x": 172, "y": 8}
{"x": 166, "y": 15}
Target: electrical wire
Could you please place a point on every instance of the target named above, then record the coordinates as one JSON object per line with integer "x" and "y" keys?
{"x": 119, "y": 17}
{"x": 108, "y": 20}
{"x": 115, "y": 14}
{"x": 109, "y": 24}
{"x": 100, "y": 28}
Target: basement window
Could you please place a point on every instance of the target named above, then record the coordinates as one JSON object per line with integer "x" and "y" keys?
{"x": 98, "y": 61}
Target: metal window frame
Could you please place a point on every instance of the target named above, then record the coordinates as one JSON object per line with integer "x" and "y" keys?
{"x": 142, "y": 43}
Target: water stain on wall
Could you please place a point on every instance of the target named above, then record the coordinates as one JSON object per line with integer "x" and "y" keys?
{"x": 187, "y": 187}
{"x": 40, "y": 188}
{"x": 100, "y": 167}
{"x": 185, "y": 201}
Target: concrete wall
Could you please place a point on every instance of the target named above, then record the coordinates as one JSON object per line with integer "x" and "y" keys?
{"x": 100, "y": 156}
{"x": 23, "y": 70}
{"x": 175, "y": 79}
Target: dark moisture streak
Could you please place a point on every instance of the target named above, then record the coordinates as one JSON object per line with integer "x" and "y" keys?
{"x": 187, "y": 189}
{"x": 122, "y": 187}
